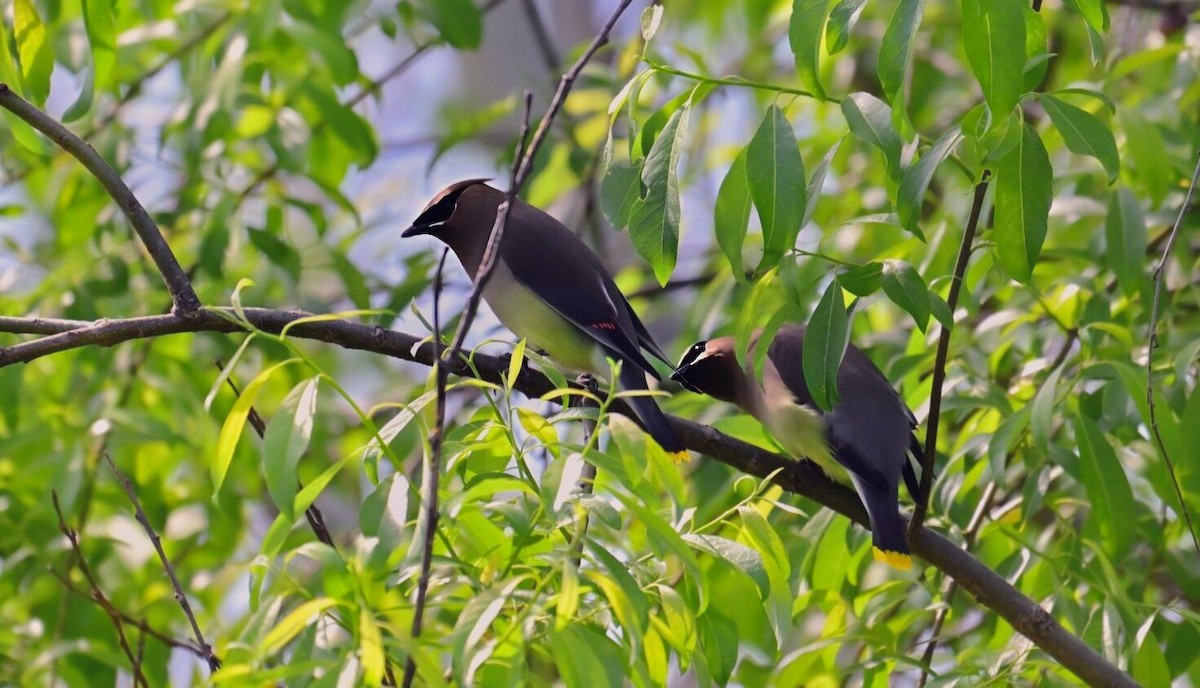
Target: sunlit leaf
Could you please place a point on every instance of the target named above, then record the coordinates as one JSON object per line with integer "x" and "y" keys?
{"x": 1023, "y": 193}
{"x": 775, "y": 174}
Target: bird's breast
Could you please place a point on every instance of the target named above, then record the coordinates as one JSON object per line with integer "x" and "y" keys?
{"x": 529, "y": 317}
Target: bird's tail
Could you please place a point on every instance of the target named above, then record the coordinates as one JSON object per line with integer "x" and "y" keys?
{"x": 887, "y": 528}
{"x": 652, "y": 417}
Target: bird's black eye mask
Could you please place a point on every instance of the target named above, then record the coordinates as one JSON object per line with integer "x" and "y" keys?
{"x": 680, "y": 375}
{"x": 439, "y": 212}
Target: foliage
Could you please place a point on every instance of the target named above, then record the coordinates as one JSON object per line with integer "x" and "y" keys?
{"x": 834, "y": 145}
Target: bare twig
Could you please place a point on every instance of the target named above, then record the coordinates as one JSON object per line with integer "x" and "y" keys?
{"x": 587, "y": 477}
{"x": 1159, "y": 278}
{"x": 801, "y": 478}
{"x": 541, "y": 36}
{"x": 316, "y": 520}
{"x": 432, "y": 477}
{"x": 96, "y": 593}
{"x": 939, "y": 364}
{"x": 180, "y": 596}
{"x": 950, "y": 587}
{"x": 182, "y": 295}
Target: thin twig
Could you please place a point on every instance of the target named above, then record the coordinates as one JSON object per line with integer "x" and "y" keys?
{"x": 180, "y": 596}
{"x": 587, "y": 477}
{"x": 541, "y": 37}
{"x": 800, "y": 478}
{"x": 951, "y": 586}
{"x": 1159, "y": 271}
{"x": 96, "y": 593}
{"x": 432, "y": 478}
{"x": 939, "y": 364}
{"x": 316, "y": 519}
{"x": 182, "y": 295}
{"x": 141, "y": 646}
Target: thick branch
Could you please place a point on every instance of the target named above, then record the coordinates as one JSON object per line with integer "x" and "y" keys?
{"x": 182, "y": 295}
{"x": 802, "y": 478}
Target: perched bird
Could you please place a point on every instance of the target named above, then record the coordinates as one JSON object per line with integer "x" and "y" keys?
{"x": 863, "y": 441}
{"x": 549, "y": 288}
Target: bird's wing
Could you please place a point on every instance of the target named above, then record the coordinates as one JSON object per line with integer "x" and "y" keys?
{"x": 549, "y": 260}
{"x": 869, "y": 429}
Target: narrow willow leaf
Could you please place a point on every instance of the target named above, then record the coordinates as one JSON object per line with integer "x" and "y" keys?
{"x": 731, "y": 215}
{"x": 775, "y": 173}
{"x": 231, "y": 431}
{"x": 1023, "y": 195}
{"x": 1145, "y": 146}
{"x": 904, "y": 286}
{"x": 37, "y": 62}
{"x": 1107, "y": 487}
{"x": 870, "y": 121}
{"x": 285, "y": 441}
{"x": 804, "y": 35}
{"x": 1084, "y": 134}
{"x": 585, "y": 657}
{"x": 743, "y": 558}
{"x": 620, "y": 189}
{"x": 370, "y": 648}
{"x": 863, "y": 280}
{"x": 1037, "y": 60}
{"x": 651, "y": 20}
{"x": 297, "y": 620}
{"x": 817, "y": 182}
{"x": 1043, "y": 410}
{"x": 1093, "y": 11}
{"x": 824, "y": 344}
{"x": 994, "y": 38}
{"x": 911, "y": 196}
{"x": 101, "y": 29}
{"x": 459, "y": 21}
{"x": 895, "y": 51}
{"x": 842, "y": 18}
{"x": 1125, "y": 241}
{"x": 654, "y": 220}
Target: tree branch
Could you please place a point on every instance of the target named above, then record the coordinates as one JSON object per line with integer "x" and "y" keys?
{"x": 180, "y": 595}
{"x": 939, "y": 364}
{"x": 1159, "y": 278}
{"x": 183, "y": 297}
{"x": 799, "y": 477}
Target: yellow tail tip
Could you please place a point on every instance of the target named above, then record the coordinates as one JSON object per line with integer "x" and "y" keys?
{"x": 680, "y": 456}
{"x": 897, "y": 560}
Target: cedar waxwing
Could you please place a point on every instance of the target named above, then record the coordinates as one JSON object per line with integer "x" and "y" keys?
{"x": 863, "y": 441}
{"x": 549, "y": 288}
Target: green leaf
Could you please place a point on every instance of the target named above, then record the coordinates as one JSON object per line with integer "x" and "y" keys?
{"x": 911, "y": 196}
{"x": 297, "y": 620}
{"x": 1093, "y": 11}
{"x": 870, "y": 121}
{"x": 824, "y": 343}
{"x": 585, "y": 657}
{"x": 37, "y": 62}
{"x": 1023, "y": 195}
{"x": 231, "y": 430}
{"x": 286, "y": 440}
{"x": 817, "y": 182}
{"x": 276, "y": 250}
{"x": 775, "y": 173}
{"x": 101, "y": 29}
{"x": 654, "y": 223}
{"x": 1149, "y": 666}
{"x": 895, "y": 51}
{"x": 994, "y": 39}
{"x": 459, "y": 21}
{"x": 1144, "y": 144}
{"x": 1107, "y": 487}
{"x": 370, "y": 648}
{"x": 743, "y": 558}
{"x": 1125, "y": 241}
{"x": 842, "y": 18}
{"x": 804, "y": 36}
{"x": 863, "y": 280}
{"x": 1084, "y": 134}
{"x": 731, "y": 215}
{"x": 620, "y": 189}
{"x": 346, "y": 125}
{"x": 1042, "y": 410}
{"x": 352, "y": 279}
{"x": 904, "y": 286}
{"x": 651, "y": 20}
{"x": 1037, "y": 60}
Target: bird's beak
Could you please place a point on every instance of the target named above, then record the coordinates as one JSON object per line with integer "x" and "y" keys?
{"x": 417, "y": 230}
